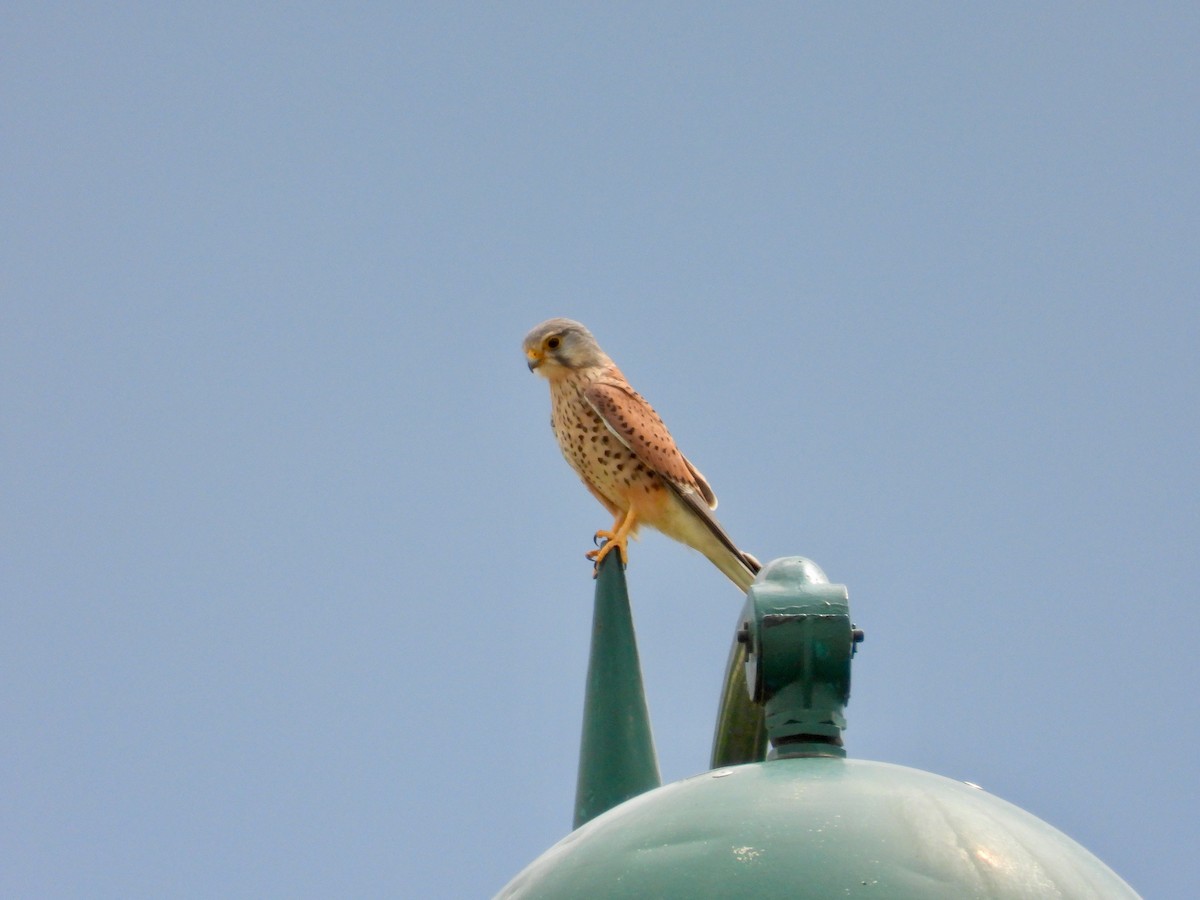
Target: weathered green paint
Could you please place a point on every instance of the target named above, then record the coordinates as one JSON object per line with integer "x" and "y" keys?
{"x": 799, "y": 640}
{"x": 817, "y": 827}
{"x": 788, "y": 673}
{"x": 616, "y": 753}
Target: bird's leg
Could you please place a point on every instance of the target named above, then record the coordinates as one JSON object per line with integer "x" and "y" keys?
{"x": 616, "y": 539}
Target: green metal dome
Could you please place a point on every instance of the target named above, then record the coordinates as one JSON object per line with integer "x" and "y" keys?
{"x": 806, "y": 822}
{"x": 817, "y": 827}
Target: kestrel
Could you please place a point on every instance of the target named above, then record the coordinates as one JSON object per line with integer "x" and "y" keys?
{"x": 623, "y": 452}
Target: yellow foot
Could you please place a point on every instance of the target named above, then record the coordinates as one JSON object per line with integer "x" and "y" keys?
{"x": 611, "y": 542}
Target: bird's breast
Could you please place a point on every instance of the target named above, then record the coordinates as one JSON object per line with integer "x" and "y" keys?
{"x": 597, "y": 455}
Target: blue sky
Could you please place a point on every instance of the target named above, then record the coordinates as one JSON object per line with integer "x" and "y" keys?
{"x": 292, "y": 589}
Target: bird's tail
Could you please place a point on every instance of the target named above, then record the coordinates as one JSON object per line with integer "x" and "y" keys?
{"x": 702, "y": 531}
{"x": 739, "y": 566}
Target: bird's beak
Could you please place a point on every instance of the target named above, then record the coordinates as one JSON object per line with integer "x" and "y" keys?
{"x": 533, "y": 359}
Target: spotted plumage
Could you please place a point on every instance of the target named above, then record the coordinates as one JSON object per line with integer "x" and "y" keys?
{"x": 623, "y": 452}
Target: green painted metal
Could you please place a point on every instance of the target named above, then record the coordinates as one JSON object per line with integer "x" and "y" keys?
{"x": 799, "y": 641}
{"x": 740, "y": 735}
{"x": 616, "y": 753}
{"x": 806, "y": 822}
{"x": 817, "y": 827}
{"x": 788, "y": 674}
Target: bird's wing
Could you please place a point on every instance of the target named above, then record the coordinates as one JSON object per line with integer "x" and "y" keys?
{"x": 627, "y": 415}
{"x": 702, "y": 484}
{"x": 635, "y": 424}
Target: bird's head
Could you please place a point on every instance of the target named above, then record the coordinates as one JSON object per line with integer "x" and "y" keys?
{"x": 558, "y": 346}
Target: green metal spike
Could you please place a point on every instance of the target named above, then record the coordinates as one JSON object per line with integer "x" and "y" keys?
{"x": 616, "y": 754}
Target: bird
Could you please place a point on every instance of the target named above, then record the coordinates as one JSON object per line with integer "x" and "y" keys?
{"x": 623, "y": 453}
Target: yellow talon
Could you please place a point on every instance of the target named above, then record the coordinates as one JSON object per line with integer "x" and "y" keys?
{"x": 610, "y": 543}
{"x": 615, "y": 539}
{"x": 606, "y": 535}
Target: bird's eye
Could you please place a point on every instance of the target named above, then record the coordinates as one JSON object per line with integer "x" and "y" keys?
{"x": 553, "y": 343}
